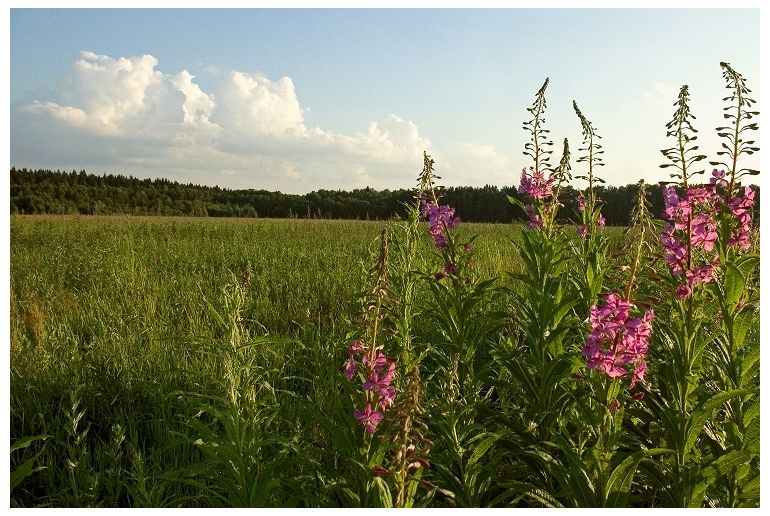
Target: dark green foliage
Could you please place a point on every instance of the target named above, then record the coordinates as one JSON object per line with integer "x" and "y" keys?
{"x": 47, "y": 192}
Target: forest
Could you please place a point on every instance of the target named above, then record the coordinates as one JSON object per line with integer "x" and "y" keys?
{"x": 60, "y": 192}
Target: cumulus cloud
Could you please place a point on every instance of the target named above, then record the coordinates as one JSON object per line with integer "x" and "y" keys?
{"x": 475, "y": 164}
{"x": 125, "y": 115}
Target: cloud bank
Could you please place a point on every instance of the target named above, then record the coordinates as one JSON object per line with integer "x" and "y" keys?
{"x": 126, "y": 116}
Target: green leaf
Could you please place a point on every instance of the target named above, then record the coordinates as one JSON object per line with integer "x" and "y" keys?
{"x": 515, "y": 201}
{"x": 619, "y": 483}
{"x": 741, "y": 326}
{"x": 735, "y": 284}
{"x": 536, "y": 494}
{"x": 703, "y": 411}
{"x": 725, "y": 464}
{"x": 482, "y": 448}
{"x": 24, "y": 442}
{"x": 23, "y": 471}
{"x": 386, "y": 500}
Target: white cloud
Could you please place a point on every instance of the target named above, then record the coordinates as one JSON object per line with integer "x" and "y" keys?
{"x": 125, "y": 115}
{"x": 249, "y": 106}
{"x": 474, "y": 164}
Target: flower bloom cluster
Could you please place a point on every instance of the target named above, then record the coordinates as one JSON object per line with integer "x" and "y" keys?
{"x": 740, "y": 207}
{"x": 379, "y": 391}
{"x": 618, "y": 343}
{"x": 535, "y": 186}
{"x": 690, "y": 218}
{"x": 693, "y": 218}
{"x": 440, "y": 219}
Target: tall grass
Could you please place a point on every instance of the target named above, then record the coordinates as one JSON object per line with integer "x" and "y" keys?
{"x": 115, "y": 323}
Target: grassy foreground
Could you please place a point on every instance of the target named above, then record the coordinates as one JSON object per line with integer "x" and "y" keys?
{"x": 116, "y": 347}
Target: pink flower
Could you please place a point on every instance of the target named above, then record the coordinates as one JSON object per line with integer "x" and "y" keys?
{"x": 440, "y": 219}
{"x": 368, "y": 418}
{"x": 718, "y": 178}
{"x": 380, "y": 361}
{"x": 535, "y": 185}
{"x": 355, "y": 347}
{"x": 581, "y": 202}
{"x": 638, "y": 375}
{"x": 582, "y": 231}
{"x": 741, "y": 212}
{"x": 704, "y": 232}
{"x": 535, "y": 222}
{"x": 350, "y": 368}
{"x": 615, "y": 341}
{"x": 601, "y": 221}
{"x": 683, "y": 291}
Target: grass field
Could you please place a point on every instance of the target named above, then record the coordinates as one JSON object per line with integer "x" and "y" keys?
{"x": 198, "y": 362}
{"x": 111, "y": 313}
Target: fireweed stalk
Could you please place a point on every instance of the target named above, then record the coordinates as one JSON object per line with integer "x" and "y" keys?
{"x": 707, "y": 228}
{"x": 616, "y": 348}
{"x": 366, "y": 359}
{"x": 537, "y": 357}
{"x": 452, "y": 286}
{"x": 591, "y": 250}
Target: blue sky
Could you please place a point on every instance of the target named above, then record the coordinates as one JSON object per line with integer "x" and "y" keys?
{"x": 297, "y": 100}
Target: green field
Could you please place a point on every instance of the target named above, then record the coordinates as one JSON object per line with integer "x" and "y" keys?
{"x": 113, "y": 314}
{"x": 161, "y": 362}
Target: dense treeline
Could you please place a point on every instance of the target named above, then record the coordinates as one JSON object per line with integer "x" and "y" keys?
{"x": 57, "y": 192}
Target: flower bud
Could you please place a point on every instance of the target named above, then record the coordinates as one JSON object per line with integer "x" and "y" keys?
{"x": 425, "y": 484}
{"x": 379, "y": 471}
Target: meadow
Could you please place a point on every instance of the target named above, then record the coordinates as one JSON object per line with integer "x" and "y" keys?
{"x": 114, "y": 317}
{"x": 422, "y": 362}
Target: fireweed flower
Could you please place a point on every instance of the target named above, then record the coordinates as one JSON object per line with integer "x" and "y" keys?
{"x": 537, "y": 188}
{"x": 740, "y": 208}
{"x": 718, "y": 178}
{"x": 693, "y": 218}
{"x": 368, "y": 418}
{"x": 601, "y": 222}
{"x": 617, "y": 344}
{"x": 380, "y": 372}
{"x": 440, "y": 218}
{"x": 691, "y": 226}
{"x": 350, "y": 368}
{"x": 535, "y": 222}
{"x": 450, "y": 268}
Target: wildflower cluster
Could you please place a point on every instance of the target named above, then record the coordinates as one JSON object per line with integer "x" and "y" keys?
{"x": 692, "y": 225}
{"x": 740, "y": 208}
{"x": 616, "y": 342}
{"x": 379, "y": 371}
{"x": 440, "y": 218}
{"x": 538, "y": 188}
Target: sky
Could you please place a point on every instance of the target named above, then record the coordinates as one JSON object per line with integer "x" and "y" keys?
{"x": 298, "y": 100}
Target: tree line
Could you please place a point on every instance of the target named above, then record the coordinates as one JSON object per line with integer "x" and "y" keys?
{"x": 61, "y": 192}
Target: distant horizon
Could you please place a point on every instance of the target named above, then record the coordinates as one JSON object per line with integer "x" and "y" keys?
{"x": 500, "y": 187}
{"x": 297, "y": 100}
